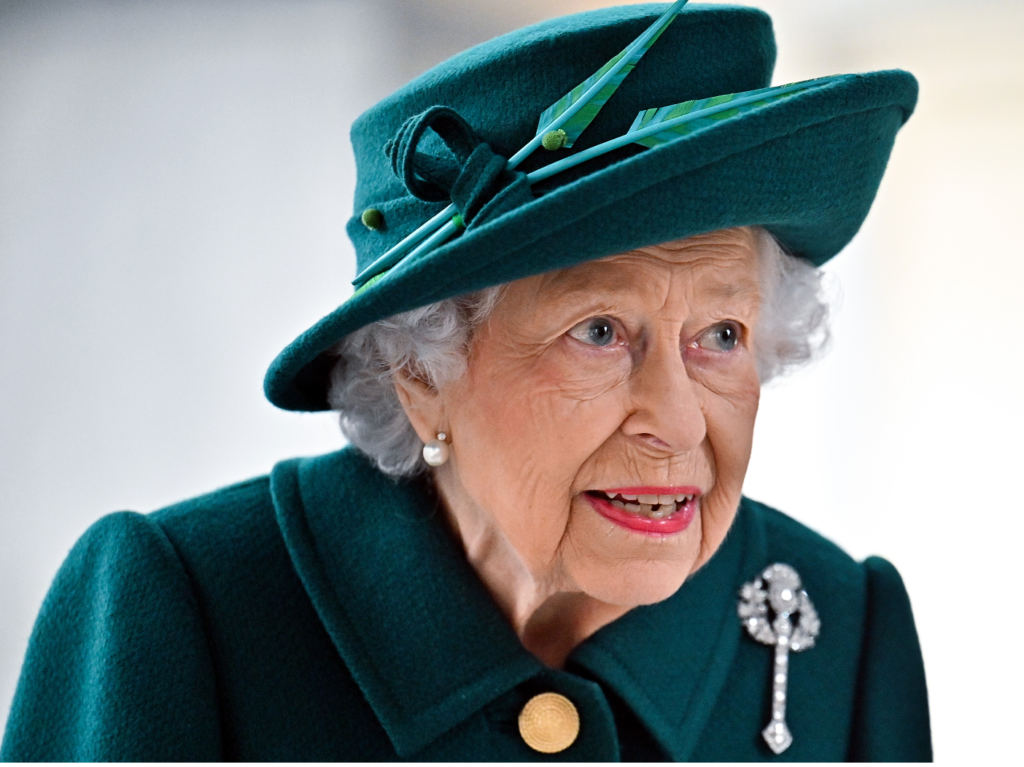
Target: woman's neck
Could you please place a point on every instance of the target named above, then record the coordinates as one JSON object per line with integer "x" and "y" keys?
{"x": 548, "y": 612}
{"x": 564, "y": 621}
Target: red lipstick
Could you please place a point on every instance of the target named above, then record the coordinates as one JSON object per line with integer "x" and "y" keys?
{"x": 676, "y": 522}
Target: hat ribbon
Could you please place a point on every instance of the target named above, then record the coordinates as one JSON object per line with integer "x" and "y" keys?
{"x": 476, "y": 179}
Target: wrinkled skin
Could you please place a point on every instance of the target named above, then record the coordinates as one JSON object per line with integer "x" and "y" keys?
{"x": 544, "y": 414}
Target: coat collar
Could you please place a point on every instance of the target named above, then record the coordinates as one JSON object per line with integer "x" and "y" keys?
{"x": 397, "y": 596}
{"x": 697, "y": 627}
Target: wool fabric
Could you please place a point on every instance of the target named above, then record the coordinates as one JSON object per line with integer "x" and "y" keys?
{"x": 326, "y": 613}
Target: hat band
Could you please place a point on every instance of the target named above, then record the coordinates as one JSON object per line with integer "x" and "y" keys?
{"x": 651, "y": 128}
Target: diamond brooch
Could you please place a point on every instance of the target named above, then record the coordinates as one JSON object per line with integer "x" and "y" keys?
{"x": 777, "y": 592}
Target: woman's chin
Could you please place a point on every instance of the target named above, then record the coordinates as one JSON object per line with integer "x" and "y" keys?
{"x": 619, "y": 565}
{"x": 631, "y": 584}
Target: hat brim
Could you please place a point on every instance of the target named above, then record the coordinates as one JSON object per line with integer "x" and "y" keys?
{"x": 806, "y": 168}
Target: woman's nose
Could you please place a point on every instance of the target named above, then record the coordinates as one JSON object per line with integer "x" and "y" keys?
{"x": 666, "y": 408}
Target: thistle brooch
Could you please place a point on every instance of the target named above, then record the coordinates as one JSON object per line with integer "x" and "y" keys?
{"x": 778, "y": 588}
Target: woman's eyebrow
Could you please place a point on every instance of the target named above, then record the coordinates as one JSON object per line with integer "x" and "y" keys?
{"x": 728, "y": 290}
{"x": 575, "y": 292}
{"x": 566, "y": 284}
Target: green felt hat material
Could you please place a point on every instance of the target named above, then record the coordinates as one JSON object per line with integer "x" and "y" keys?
{"x": 806, "y": 167}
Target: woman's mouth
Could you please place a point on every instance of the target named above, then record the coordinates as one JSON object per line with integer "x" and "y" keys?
{"x": 655, "y": 510}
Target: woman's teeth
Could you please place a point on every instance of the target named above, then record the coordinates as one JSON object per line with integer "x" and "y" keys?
{"x": 654, "y": 506}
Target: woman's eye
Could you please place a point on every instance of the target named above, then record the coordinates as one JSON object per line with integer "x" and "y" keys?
{"x": 722, "y": 337}
{"x": 597, "y": 331}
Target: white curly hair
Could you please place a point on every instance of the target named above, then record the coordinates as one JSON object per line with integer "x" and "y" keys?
{"x": 433, "y": 342}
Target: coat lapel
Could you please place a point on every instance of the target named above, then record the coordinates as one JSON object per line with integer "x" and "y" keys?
{"x": 416, "y": 627}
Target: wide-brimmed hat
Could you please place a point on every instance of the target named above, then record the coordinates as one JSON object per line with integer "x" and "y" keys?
{"x": 687, "y": 142}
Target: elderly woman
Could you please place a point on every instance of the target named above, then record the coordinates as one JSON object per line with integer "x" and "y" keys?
{"x": 549, "y": 373}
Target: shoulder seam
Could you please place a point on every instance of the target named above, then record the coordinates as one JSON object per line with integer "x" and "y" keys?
{"x": 201, "y": 612}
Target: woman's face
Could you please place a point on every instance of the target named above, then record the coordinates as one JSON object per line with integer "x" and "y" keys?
{"x": 603, "y": 428}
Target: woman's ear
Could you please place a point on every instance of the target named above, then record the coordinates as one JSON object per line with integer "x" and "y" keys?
{"x": 421, "y": 403}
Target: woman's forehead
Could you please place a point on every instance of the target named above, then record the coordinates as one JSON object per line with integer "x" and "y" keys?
{"x": 719, "y": 265}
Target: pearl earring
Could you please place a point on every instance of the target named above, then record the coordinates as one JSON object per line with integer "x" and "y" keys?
{"x": 435, "y": 452}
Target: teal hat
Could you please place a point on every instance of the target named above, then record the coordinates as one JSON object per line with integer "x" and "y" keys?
{"x": 670, "y": 130}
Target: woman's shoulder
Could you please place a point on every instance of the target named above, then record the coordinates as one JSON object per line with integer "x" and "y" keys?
{"x": 120, "y": 620}
{"x": 232, "y": 506}
{"x": 241, "y": 520}
{"x": 778, "y": 537}
{"x": 876, "y": 576}
{"x": 868, "y": 643}
{"x": 867, "y": 591}
{"x": 228, "y": 540}
{"x": 194, "y": 608}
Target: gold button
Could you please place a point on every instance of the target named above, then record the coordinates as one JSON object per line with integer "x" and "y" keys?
{"x": 549, "y": 723}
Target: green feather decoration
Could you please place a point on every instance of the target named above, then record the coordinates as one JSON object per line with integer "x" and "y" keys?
{"x": 654, "y": 127}
{"x": 601, "y": 86}
{"x": 689, "y": 116}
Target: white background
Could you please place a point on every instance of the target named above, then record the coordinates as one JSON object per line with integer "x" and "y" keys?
{"x": 174, "y": 182}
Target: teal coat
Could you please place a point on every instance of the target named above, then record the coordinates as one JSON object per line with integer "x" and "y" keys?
{"x": 325, "y": 613}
